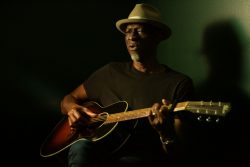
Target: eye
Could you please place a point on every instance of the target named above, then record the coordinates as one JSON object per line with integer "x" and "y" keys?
{"x": 139, "y": 31}
{"x": 128, "y": 31}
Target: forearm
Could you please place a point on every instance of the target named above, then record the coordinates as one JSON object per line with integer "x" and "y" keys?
{"x": 73, "y": 100}
{"x": 67, "y": 103}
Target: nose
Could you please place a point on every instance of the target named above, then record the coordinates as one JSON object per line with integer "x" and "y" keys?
{"x": 132, "y": 35}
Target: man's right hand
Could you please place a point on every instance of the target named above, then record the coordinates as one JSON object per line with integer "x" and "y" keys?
{"x": 79, "y": 116}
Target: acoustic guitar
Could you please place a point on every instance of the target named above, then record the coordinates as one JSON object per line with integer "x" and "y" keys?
{"x": 105, "y": 126}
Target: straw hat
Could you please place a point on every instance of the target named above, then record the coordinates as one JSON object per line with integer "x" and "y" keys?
{"x": 144, "y": 13}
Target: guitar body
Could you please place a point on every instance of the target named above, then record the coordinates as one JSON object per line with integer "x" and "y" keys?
{"x": 63, "y": 137}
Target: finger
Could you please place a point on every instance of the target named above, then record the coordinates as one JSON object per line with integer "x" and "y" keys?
{"x": 72, "y": 123}
{"x": 167, "y": 106}
{"x": 69, "y": 121}
{"x": 165, "y": 102}
{"x": 156, "y": 107}
{"x": 151, "y": 116}
{"x": 154, "y": 110}
{"x": 73, "y": 130}
{"x": 76, "y": 115}
{"x": 89, "y": 112}
{"x": 73, "y": 117}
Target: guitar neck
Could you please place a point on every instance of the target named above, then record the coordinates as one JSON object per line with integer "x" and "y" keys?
{"x": 139, "y": 113}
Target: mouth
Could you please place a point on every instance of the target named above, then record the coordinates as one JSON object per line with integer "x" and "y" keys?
{"x": 133, "y": 47}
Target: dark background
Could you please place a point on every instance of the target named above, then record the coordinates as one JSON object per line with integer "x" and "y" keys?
{"x": 49, "y": 47}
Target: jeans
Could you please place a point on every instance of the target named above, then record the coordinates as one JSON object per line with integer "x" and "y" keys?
{"x": 86, "y": 154}
{"x": 81, "y": 154}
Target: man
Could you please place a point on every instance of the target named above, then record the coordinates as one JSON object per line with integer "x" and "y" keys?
{"x": 142, "y": 83}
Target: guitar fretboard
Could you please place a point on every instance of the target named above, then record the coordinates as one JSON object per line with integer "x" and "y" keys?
{"x": 129, "y": 115}
{"x": 135, "y": 114}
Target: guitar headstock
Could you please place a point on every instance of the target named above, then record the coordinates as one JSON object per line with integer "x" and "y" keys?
{"x": 208, "y": 111}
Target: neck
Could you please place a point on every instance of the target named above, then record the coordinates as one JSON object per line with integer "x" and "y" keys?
{"x": 148, "y": 66}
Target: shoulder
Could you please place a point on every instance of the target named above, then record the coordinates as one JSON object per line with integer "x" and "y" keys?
{"x": 117, "y": 64}
{"x": 112, "y": 68}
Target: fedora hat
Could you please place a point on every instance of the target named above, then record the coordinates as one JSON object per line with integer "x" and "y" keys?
{"x": 144, "y": 13}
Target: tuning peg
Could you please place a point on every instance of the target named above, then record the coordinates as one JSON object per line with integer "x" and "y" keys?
{"x": 219, "y": 103}
{"x": 208, "y": 119}
{"x": 217, "y": 120}
{"x": 199, "y": 118}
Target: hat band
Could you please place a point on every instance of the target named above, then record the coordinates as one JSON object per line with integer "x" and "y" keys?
{"x": 138, "y": 17}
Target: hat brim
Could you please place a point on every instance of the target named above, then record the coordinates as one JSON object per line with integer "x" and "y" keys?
{"x": 166, "y": 31}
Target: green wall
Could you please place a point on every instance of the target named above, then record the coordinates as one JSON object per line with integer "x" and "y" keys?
{"x": 188, "y": 20}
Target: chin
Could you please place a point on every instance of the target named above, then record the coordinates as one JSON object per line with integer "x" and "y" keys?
{"x": 135, "y": 57}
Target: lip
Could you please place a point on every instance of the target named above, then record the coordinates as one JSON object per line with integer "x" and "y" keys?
{"x": 133, "y": 46}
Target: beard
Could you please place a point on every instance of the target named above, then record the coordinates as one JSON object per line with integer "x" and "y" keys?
{"x": 135, "y": 57}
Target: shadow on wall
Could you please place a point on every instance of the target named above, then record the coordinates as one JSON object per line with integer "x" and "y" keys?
{"x": 223, "y": 50}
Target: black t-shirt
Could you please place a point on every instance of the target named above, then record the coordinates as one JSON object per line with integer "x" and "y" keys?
{"x": 119, "y": 81}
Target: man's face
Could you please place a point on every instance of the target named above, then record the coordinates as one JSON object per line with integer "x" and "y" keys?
{"x": 139, "y": 40}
